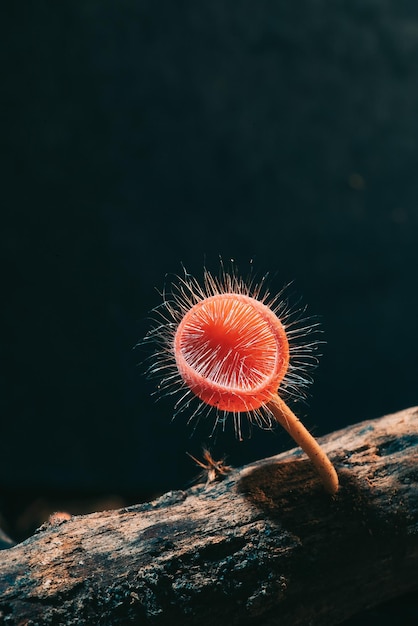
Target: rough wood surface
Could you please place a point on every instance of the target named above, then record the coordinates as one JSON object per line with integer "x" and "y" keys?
{"x": 265, "y": 546}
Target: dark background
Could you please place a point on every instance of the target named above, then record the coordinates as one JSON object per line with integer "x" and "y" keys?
{"x": 139, "y": 135}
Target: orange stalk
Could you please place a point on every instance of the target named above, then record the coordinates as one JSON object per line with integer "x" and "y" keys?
{"x": 304, "y": 439}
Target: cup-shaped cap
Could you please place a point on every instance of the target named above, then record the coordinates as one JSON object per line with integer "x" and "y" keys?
{"x": 232, "y": 351}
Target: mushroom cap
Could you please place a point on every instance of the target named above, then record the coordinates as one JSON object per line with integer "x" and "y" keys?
{"x": 232, "y": 351}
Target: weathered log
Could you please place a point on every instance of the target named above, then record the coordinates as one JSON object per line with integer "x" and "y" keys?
{"x": 265, "y": 546}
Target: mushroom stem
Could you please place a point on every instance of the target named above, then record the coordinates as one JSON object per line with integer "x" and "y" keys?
{"x": 304, "y": 439}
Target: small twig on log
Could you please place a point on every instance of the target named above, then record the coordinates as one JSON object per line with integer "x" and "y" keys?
{"x": 265, "y": 546}
{"x": 5, "y": 541}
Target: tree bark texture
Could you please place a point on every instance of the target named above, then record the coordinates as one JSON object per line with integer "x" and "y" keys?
{"x": 266, "y": 545}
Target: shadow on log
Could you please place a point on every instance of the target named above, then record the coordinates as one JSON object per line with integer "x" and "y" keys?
{"x": 265, "y": 546}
